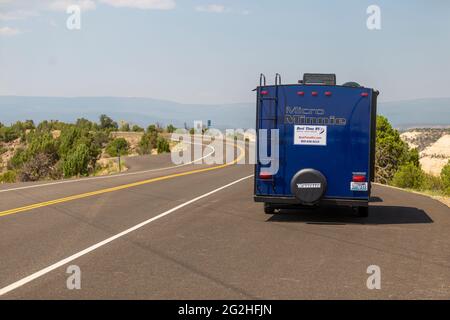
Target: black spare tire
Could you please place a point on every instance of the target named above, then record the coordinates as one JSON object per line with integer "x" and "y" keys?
{"x": 308, "y": 186}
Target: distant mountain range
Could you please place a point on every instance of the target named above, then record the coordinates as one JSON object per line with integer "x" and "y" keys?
{"x": 143, "y": 111}
{"x": 420, "y": 113}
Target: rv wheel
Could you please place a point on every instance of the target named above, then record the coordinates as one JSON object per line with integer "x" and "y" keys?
{"x": 268, "y": 209}
{"x": 363, "y": 212}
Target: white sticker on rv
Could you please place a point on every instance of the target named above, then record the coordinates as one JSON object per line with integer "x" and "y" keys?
{"x": 310, "y": 135}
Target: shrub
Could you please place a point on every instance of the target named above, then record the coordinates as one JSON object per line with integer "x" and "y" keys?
{"x": 391, "y": 152}
{"x": 445, "y": 177}
{"x": 408, "y": 176}
{"x": 117, "y": 146}
{"x": 8, "y": 134}
{"x": 100, "y": 139}
{"x": 136, "y": 128}
{"x": 107, "y": 123}
{"x": 9, "y": 176}
{"x": 162, "y": 145}
{"x": 38, "y": 167}
{"x": 431, "y": 182}
{"x": 77, "y": 162}
{"x": 151, "y": 128}
{"x": 28, "y": 125}
{"x": 73, "y": 137}
{"x": 125, "y": 126}
{"x": 68, "y": 140}
{"x": 18, "y": 159}
{"x": 47, "y": 126}
{"x": 41, "y": 142}
{"x": 148, "y": 142}
{"x": 85, "y": 124}
{"x": 170, "y": 128}
{"x": 57, "y": 171}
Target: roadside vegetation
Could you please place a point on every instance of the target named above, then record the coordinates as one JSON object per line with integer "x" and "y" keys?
{"x": 55, "y": 150}
{"x": 397, "y": 164}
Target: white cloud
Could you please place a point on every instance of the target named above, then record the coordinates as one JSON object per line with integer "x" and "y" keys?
{"x": 22, "y": 9}
{"x": 17, "y": 15}
{"x": 214, "y": 8}
{"x": 62, "y": 5}
{"x": 9, "y": 32}
{"x": 142, "y": 4}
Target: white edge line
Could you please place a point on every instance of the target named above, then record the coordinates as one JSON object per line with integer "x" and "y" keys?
{"x": 58, "y": 264}
{"x": 112, "y": 176}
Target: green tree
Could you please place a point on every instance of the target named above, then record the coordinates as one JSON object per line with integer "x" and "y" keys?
{"x": 85, "y": 124}
{"x": 445, "y": 178}
{"x": 408, "y": 176}
{"x": 125, "y": 126}
{"x": 117, "y": 146}
{"x": 100, "y": 138}
{"x": 151, "y": 128}
{"x": 170, "y": 128}
{"x": 18, "y": 159}
{"x": 41, "y": 142}
{"x": 68, "y": 139}
{"x": 50, "y": 125}
{"x": 148, "y": 142}
{"x": 9, "y": 176}
{"x": 391, "y": 152}
{"x": 77, "y": 162}
{"x": 29, "y": 125}
{"x": 162, "y": 145}
{"x": 72, "y": 137}
{"x": 8, "y": 134}
{"x": 136, "y": 128}
{"x": 107, "y": 123}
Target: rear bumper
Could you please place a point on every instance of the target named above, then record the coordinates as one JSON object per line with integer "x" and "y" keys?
{"x": 292, "y": 201}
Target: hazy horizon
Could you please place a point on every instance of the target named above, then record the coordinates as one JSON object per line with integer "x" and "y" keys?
{"x": 142, "y": 111}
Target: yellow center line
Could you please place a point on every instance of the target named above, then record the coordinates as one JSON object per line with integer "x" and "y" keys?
{"x": 120, "y": 187}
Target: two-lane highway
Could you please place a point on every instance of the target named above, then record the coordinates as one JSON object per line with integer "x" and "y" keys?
{"x": 199, "y": 235}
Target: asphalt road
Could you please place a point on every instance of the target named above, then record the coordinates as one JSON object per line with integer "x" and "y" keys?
{"x": 221, "y": 245}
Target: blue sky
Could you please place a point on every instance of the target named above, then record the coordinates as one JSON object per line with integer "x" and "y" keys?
{"x": 213, "y": 51}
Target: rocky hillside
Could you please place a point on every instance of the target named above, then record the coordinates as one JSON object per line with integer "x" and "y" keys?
{"x": 7, "y": 151}
{"x": 433, "y": 146}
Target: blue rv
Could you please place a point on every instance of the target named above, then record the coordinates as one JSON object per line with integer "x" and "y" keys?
{"x": 322, "y": 136}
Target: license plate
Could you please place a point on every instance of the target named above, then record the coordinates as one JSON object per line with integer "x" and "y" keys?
{"x": 358, "y": 186}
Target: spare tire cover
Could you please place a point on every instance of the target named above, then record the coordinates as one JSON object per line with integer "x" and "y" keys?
{"x": 308, "y": 185}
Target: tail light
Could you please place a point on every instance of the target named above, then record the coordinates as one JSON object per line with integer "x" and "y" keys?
{"x": 328, "y": 93}
{"x": 364, "y": 94}
{"x": 359, "y": 178}
{"x": 314, "y": 93}
{"x": 265, "y": 175}
{"x": 301, "y": 93}
{"x": 264, "y": 92}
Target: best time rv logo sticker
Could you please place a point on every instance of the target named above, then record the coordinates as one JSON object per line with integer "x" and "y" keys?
{"x": 310, "y": 135}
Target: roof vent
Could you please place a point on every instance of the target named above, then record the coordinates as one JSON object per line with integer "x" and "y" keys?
{"x": 328, "y": 79}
